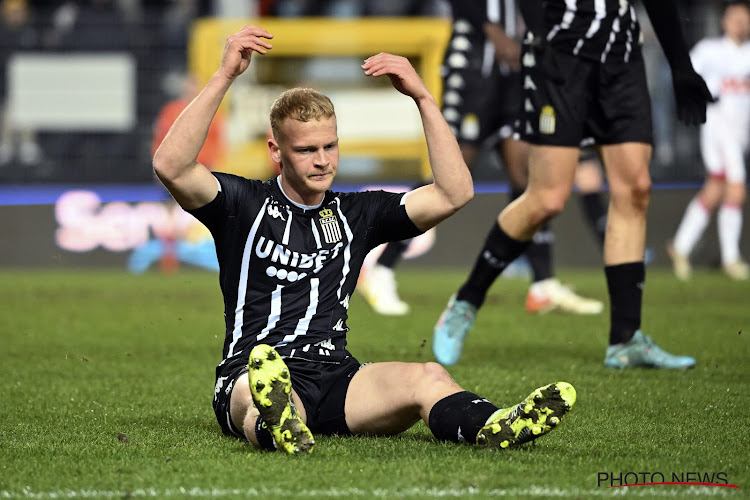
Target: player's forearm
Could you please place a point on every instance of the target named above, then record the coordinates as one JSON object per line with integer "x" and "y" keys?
{"x": 506, "y": 49}
{"x": 665, "y": 18}
{"x": 179, "y": 150}
{"x": 451, "y": 176}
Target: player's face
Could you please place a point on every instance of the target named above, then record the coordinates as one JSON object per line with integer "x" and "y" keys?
{"x": 308, "y": 153}
{"x": 737, "y": 23}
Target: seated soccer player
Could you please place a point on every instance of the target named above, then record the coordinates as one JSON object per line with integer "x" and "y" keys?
{"x": 290, "y": 251}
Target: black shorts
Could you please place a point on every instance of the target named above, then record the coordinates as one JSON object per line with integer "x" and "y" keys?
{"x": 478, "y": 107}
{"x": 590, "y": 103}
{"x": 320, "y": 386}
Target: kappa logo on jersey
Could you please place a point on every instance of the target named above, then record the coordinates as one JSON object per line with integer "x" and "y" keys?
{"x": 330, "y": 225}
{"x": 529, "y": 60}
{"x": 528, "y": 83}
{"x": 325, "y": 347}
{"x": 274, "y": 212}
{"x": 547, "y": 120}
{"x": 219, "y": 383}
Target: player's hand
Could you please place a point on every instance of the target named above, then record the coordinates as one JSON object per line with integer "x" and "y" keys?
{"x": 507, "y": 50}
{"x": 510, "y": 54}
{"x": 692, "y": 96}
{"x": 402, "y": 74}
{"x": 239, "y": 48}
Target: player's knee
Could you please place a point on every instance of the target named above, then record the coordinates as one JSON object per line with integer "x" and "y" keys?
{"x": 641, "y": 192}
{"x": 544, "y": 204}
{"x": 635, "y": 195}
{"x": 552, "y": 205}
{"x": 435, "y": 373}
{"x": 735, "y": 194}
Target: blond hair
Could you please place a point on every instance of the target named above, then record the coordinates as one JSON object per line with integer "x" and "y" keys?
{"x": 302, "y": 104}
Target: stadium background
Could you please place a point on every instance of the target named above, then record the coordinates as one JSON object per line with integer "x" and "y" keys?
{"x": 84, "y": 82}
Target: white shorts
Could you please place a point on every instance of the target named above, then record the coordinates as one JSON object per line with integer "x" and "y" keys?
{"x": 723, "y": 149}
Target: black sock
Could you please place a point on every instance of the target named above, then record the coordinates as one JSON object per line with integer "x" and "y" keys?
{"x": 460, "y": 416}
{"x": 499, "y": 250}
{"x": 263, "y": 435}
{"x": 392, "y": 253}
{"x": 540, "y": 253}
{"x": 625, "y": 284}
{"x": 596, "y": 214}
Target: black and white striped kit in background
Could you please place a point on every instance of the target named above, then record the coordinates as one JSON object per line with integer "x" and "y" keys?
{"x": 597, "y": 30}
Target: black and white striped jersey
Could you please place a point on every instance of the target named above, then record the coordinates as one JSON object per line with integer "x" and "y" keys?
{"x": 287, "y": 273}
{"x": 599, "y": 30}
{"x": 469, "y": 47}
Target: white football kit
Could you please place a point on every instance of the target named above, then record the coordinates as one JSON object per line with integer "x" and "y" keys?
{"x": 725, "y": 66}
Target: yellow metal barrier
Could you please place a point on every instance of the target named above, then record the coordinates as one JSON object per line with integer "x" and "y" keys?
{"x": 424, "y": 38}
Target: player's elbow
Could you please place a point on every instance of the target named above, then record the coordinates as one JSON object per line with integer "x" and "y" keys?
{"x": 465, "y": 195}
{"x": 166, "y": 169}
{"x": 462, "y": 192}
{"x": 457, "y": 198}
{"x": 160, "y": 164}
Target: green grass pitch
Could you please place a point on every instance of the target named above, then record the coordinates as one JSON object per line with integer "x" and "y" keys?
{"x": 106, "y": 381}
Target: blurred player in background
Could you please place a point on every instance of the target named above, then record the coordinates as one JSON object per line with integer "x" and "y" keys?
{"x": 181, "y": 238}
{"x": 725, "y": 64}
{"x": 290, "y": 251}
{"x": 481, "y": 102}
{"x": 18, "y": 33}
{"x": 584, "y": 79}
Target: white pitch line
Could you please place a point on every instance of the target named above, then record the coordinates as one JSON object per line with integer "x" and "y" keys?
{"x": 532, "y": 491}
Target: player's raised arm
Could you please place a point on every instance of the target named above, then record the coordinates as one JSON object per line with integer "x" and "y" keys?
{"x": 175, "y": 162}
{"x": 452, "y": 186}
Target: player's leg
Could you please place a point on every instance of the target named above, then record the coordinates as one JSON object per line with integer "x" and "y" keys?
{"x": 729, "y": 220}
{"x": 693, "y": 224}
{"x": 388, "y": 398}
{"x": 553, "y": 117}
{"x": 630, "y": 184}
{"x": 589, "y": 182}
{"x": 551, "y": 172}
{"x": 266, "y": 409}
{"x": 729, "y": 224}
{"x": 630, "y": 189}
{"x": 546, "y": 293}
{"x": 699, "y": 210}
{"x": 515, "y": 156}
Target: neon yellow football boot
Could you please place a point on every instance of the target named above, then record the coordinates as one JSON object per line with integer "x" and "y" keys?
{"x": 535, "y": 416}
{"x": 271, "y": 387}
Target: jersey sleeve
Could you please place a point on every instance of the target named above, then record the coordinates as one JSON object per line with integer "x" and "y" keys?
{"x": 387, "y": 218}
{"x": 233, "y": 190}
